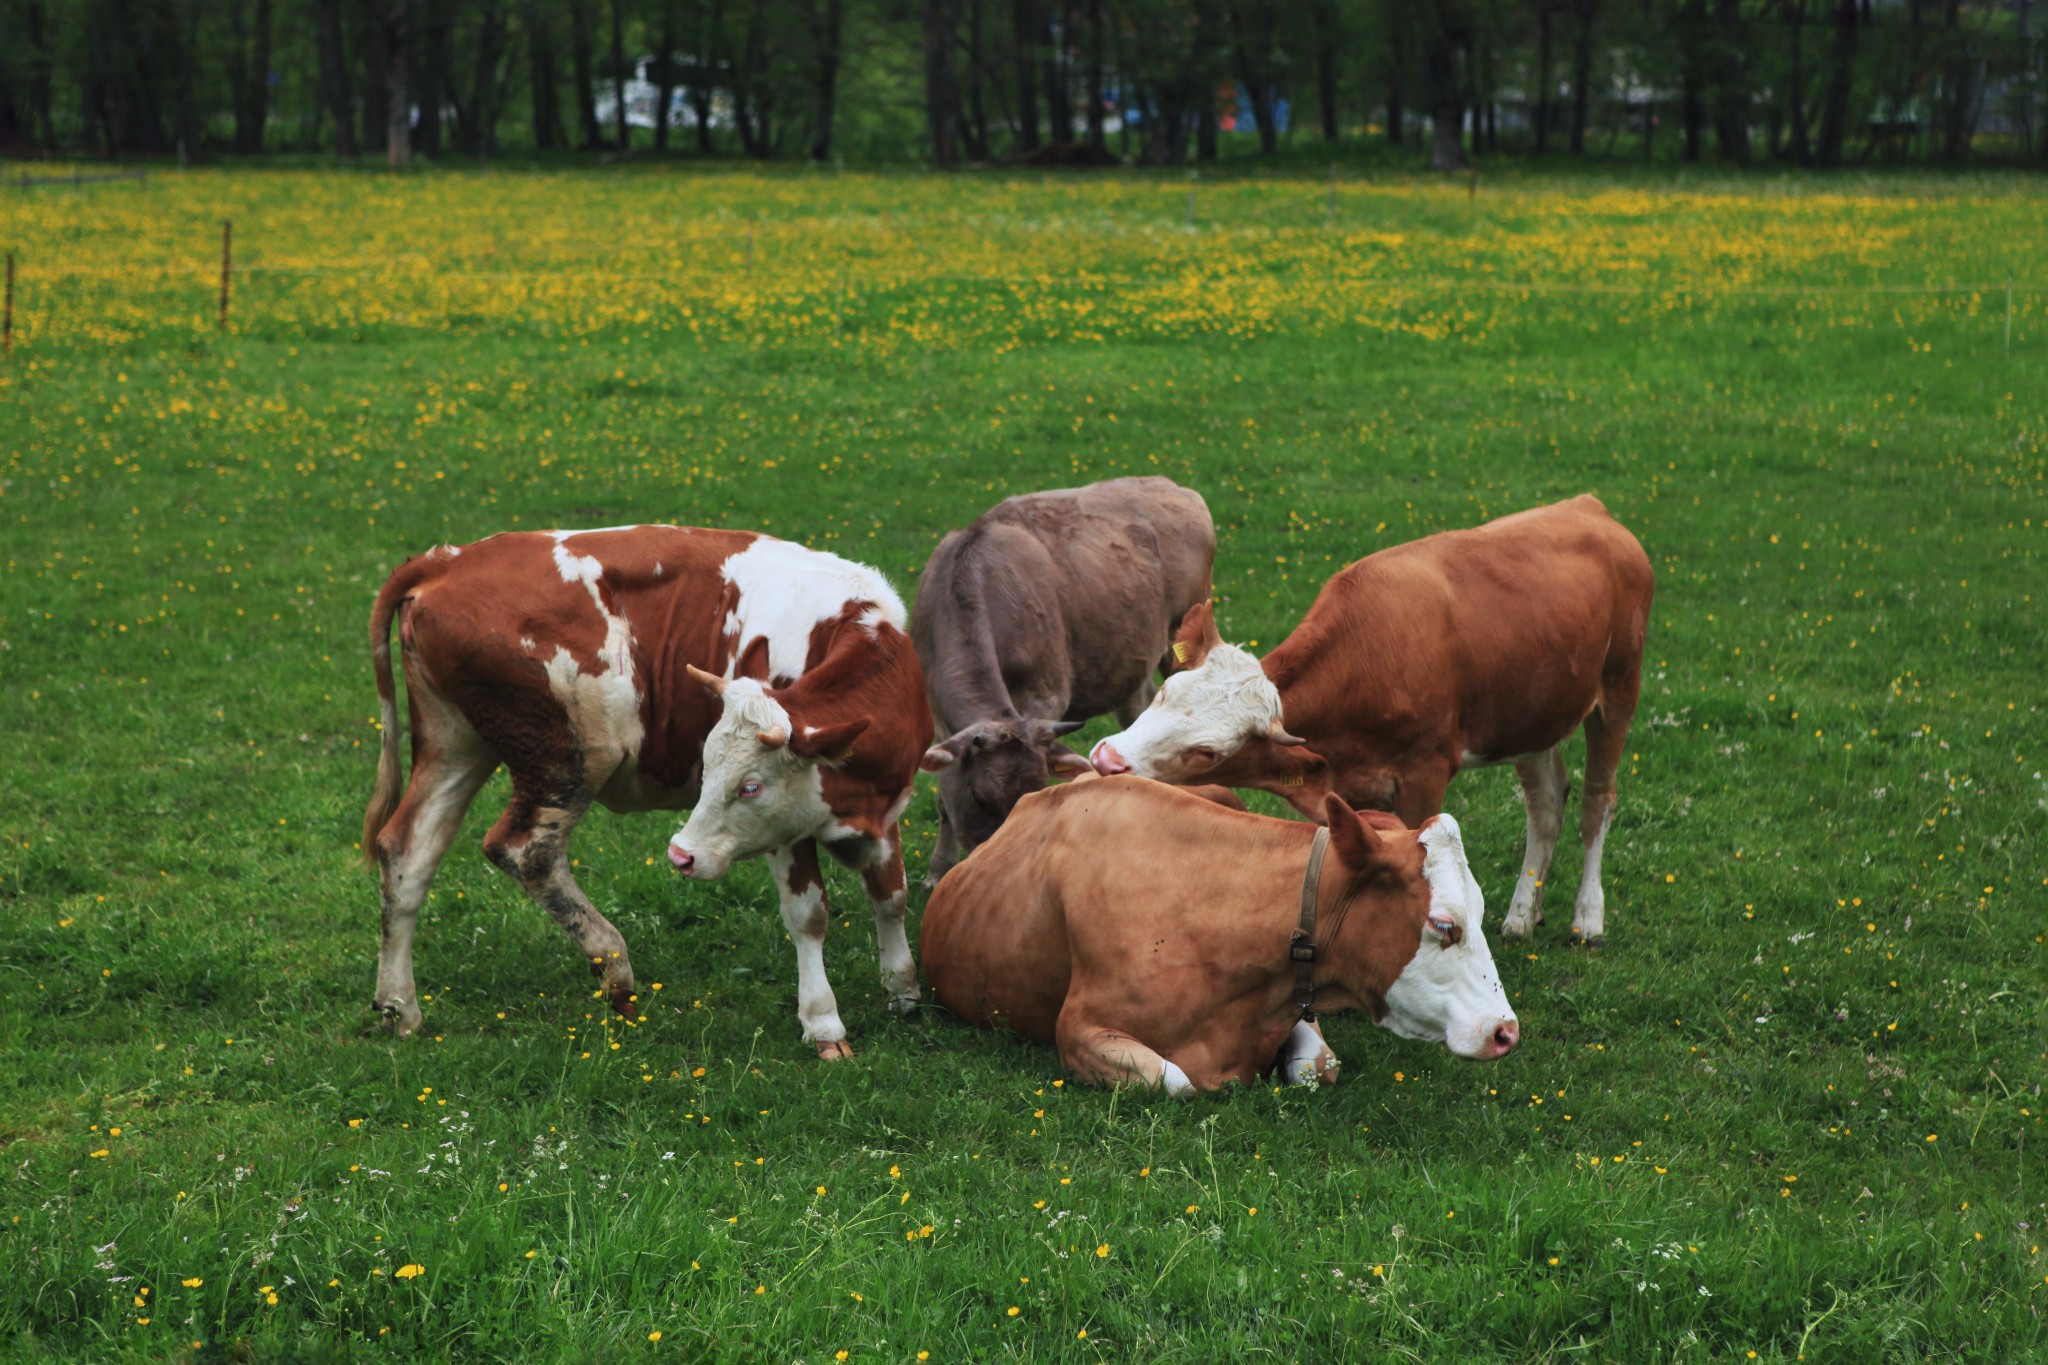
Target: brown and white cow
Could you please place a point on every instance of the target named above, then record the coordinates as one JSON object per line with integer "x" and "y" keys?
{"x": 769, "y": 687}
{"x": 1148, "y": 934}
{"x": 1460, "y": 650}
{"x": 1051, "y": 609}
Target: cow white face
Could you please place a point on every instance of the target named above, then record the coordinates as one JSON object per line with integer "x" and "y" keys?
{"x": 1197, "y": 720}
{"x": 1449, "y": 992}
{"x": 759, "y": 791}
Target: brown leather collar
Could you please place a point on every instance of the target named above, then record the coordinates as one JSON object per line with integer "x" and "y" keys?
{"x": 1301, "y": 949}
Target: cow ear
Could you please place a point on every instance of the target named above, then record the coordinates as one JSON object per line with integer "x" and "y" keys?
{"x": 1065, "y": 760}
{"x": 946, "y": 752}
{"x": 1357, "y": 845}
{"x": 1193, "y": 641}
{"x": 753, "y": 661}
{"x": 831, "y": 744}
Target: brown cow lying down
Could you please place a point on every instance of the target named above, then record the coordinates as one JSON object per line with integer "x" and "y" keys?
{"x": 1147, "y": 933}
{"x": 1460, "y": 650}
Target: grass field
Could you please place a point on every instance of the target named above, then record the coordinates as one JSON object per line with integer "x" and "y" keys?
{"x": 1793, "y": 1111}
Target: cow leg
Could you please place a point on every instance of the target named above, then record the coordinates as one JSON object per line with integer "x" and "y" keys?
{"x": 1106, "y": 1056}
{"x": 409, "y": 850}
{"x": 805, "y": 912}
{"x": 945, "y": 852}
{"x": 1305, "y": 1059}
{"x": 1606, "y": 738}
{"x": 881, "y": 875}
{"x": 530, "y": 843}
{"x": 1543, "y": 794}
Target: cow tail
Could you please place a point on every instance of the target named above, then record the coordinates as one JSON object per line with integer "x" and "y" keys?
{"x": 384, "y": 796}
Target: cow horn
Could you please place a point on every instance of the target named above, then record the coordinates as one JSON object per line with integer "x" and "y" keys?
{"x": 1067, "y": 727}
{"x": 1278, "y": 735}
{"x": 710, "y": 682}
{"x": 774, "y": 737}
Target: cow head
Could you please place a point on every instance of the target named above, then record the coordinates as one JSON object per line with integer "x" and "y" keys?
{"x": 1216, "y": 719}
{"x": 762, "y": 786}
{"x": 985, "y": 769}
{"x": 1449, "y": 991}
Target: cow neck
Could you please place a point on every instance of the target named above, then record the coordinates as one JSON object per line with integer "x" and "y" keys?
{"x": 1301, "y": 949}
{"x": 1349, "y": 938}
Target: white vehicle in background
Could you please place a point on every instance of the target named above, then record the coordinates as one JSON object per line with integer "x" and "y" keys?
{"x": 643, "y": 98}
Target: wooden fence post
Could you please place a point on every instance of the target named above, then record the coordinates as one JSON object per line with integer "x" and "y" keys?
{"x": 227, "y": 238}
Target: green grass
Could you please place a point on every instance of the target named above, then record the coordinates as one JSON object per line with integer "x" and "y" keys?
{"x": 1817, "y": 1037}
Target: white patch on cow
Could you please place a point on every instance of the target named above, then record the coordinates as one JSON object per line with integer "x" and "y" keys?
{"x": 1543, "y": 798}
{"x": 1589, "y": 915}
{"x": 604, "y": 705}
{"x": 727, "y": 824}
{"x": 1175, "y": 1080}
{"x": 1468, "y": 759}
{"x": 1219, "y": 706}
{"x": 658, "y": 570}
{"x": 1450, "y": 993}
{"x": 1302, "y": 1063}
{"x": 786, "y": 589}
{"x": 816, "y": 1007}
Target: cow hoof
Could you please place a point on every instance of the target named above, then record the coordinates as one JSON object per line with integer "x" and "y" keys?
{"x": 1580, "y": 940}
{"x": 400, "y": 1020}
{"x": 624, "y": 1002}
{"x": 834, "y": 1051}
{"x": 904, "y": 1002}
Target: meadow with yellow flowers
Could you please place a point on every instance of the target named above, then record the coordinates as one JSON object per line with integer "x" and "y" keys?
{"x": 1793, "y": 1111}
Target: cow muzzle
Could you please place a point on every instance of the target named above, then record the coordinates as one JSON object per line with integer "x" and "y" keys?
{"x": 1505, "y": 1035}
{"x": 1106, "y": 760}
{"x": 691, "y": 866}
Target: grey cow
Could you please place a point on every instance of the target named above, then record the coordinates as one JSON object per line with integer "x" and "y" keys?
{"x": 1050, "y": 609}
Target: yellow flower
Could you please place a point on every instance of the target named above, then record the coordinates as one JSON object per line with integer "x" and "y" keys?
{"x": 1102, "y": 1250}
{"x": 531, "y": 1254}
{"x": 655, "y": 1335}
{"x": 100, "y": 1153}
{"x": 760, "y": 1289}
{"x": 192, "y": 1283}
{"x": 355, "y": 1123}
{"x": 839, "y": 1355}
{"x": 1014, "y": 1310}
{"x": 409, "y": 1272}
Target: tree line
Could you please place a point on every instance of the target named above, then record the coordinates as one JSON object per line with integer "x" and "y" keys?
{"x": 1820, "y": 83}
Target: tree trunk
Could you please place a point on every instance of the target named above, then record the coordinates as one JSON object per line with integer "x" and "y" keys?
{"x": 1096, "y": 44}
{"x": 431, "y": 73}
{"x": 1731, "y": 104}
{"x": 1542, "y": 111}
{"x": 1059, "y": 108}
{"x": 1834, "y": 112}
{"x": 710, "y": 40}
{"x": 831, "y": 27}
{"x": 334, "y": 74}
{"x": 1959, "y": 96}
{"x": 582, "y": 53}
{"x": 664, "y": 76}
{"x": 397, "y": 83}
{"x": 376, "y": 74}
{"x": 1024, "y": 29}
{"x": 1254, "y": 24}
{"x": 1692, "y": 108}
{"x": 974, "y": 117}
{"x": 1328, "y": 42}
{"x": 941, "y": 86}
{"x": 1802, "y": 142}
{"x": 480, "y": 124}
{"x": 1582, "y": 84}
{"x": 1397, "y": 71}
{"x": 619, "y": 74}
{"x": 1446, "y": 104}
{"x": 545, "y": 99}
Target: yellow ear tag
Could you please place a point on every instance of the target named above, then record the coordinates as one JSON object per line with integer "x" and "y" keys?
{"x": 1180, "y": 652}
{"x": 1294, "y": 781}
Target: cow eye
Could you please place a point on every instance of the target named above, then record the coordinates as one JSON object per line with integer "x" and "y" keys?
{"x": 1203, "y": 753}
{"x": 1445, "y": 929}
{"x": 750, "y": 788}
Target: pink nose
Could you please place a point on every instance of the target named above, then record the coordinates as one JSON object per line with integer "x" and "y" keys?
{"x": 682, "y": 861}
{"x": 1505, "y": 1037}
{"x": 1108, "y": 761}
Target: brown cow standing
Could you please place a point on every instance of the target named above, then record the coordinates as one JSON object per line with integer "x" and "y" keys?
{"x": 1147, "y": 933}
{"x": 769, "y": 686}
{"x": 1459, "y": 650}
{"x": 1051, "y": 609}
